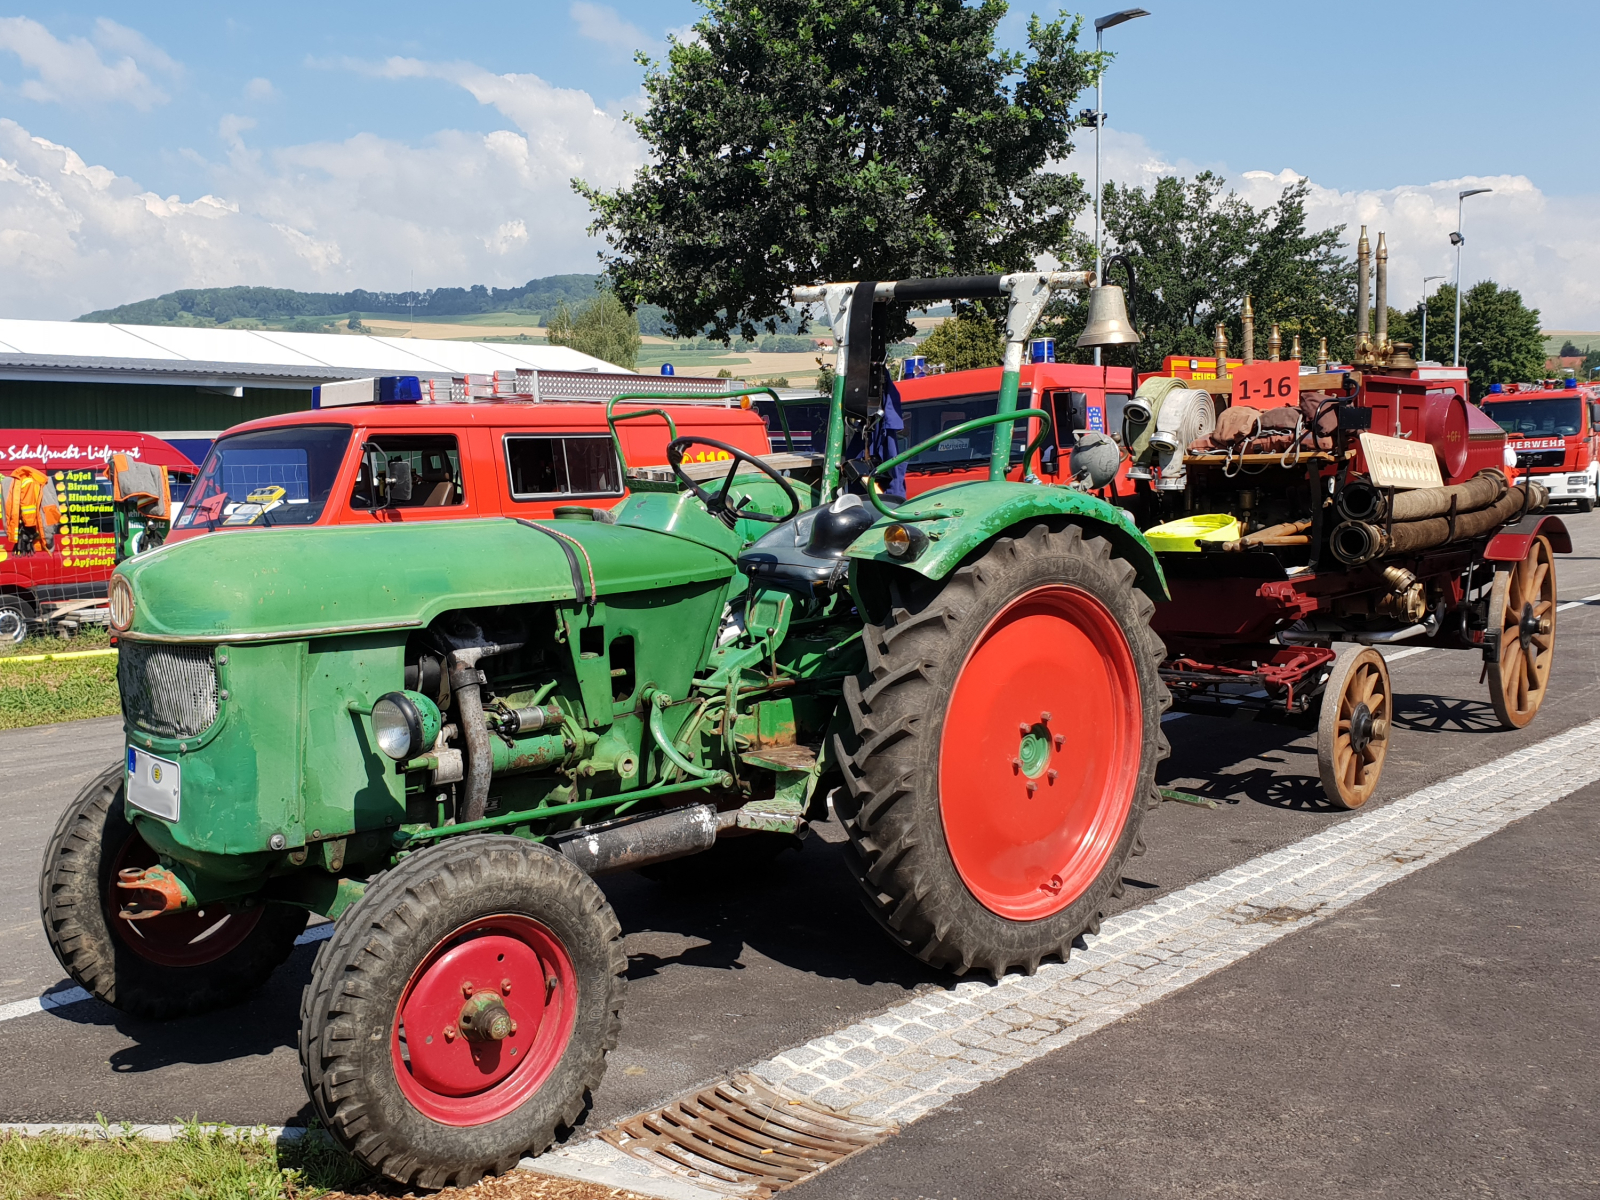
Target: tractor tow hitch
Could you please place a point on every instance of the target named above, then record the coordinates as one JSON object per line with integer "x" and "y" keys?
{"x": 151, "y": 892}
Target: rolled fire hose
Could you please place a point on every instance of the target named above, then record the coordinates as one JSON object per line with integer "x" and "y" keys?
{"x": 1356, "y": 542}
{"x": 1361, "y": 501}
{"x": 1140, "y": 414}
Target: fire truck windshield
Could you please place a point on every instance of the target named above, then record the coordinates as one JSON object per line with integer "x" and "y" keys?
{"x": 1538, "y": 418}
{"x": 267, "y": 477}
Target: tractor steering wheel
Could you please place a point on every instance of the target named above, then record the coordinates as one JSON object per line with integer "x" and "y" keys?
{"x": 718, "y": 505}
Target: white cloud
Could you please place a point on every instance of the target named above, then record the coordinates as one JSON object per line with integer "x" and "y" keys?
{"x": 604, "y": 24}
{"x": 1547, "y": 247}
{"x": 72, "y": 72}
{"x": 453, "y": 209}
{"x": 260, "y": 89}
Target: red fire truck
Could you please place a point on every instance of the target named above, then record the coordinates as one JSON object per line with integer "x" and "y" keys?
{"x": 1555, "y": 431}
{"x": 59, "y": 547}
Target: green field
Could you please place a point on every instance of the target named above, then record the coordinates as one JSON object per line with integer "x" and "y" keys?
{"x": 1585, "y": 341}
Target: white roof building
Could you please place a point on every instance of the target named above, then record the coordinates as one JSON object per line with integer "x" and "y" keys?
{"x": 92, "y": 352}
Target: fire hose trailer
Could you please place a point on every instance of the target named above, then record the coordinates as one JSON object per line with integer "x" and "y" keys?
{"x": 1359, "y": 508}
{"x": 435, "y": 732}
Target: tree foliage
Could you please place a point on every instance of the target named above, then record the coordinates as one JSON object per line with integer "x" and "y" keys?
{"x": 959, "y": 343}
{"x": 601, "y": 327}
{"x": 1500, "y": 337}
{"x": 1197, "y": 253}
{"x": 797, "y": 141}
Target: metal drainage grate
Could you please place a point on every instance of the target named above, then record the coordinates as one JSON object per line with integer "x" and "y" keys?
{"x": 744, "y": 1136}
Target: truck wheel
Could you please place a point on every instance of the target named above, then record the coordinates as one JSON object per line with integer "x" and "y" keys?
{"x": 461, "y": 1013}
{"x": 1353, "y": 730}
{"x": 161, "y": 967}
{"x": 1522, "y": 606}
{"x": 1005, "y": 739}
{"x": 16, "y": 618}
{"x": 1586, "y": 504}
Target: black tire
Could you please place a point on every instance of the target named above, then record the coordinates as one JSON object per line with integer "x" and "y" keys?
{"x": 16, "y": 618}
{"x": 77, "y": 903}
{"x": 1586, "y": 504}
{"x": 349, "y": 1010}
{"x": 891, "y": 758}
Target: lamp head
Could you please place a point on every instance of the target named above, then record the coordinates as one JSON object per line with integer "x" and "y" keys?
{"x": 1117, "y": 18}
{"x": 1472, "y": 192}
{"x": 1456, "y": 239}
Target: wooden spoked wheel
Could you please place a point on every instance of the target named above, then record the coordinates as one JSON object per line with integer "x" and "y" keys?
{"x": 1353, "y": 733}
{"x": 1522, "y": 606}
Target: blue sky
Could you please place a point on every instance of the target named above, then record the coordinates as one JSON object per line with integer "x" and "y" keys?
{"x": 354, "y": 144}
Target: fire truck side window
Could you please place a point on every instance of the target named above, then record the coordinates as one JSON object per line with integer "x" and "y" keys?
{"x": 1116, "y": 403}
{"x": 573, "y": 465}
{"x": 435, "y": 470}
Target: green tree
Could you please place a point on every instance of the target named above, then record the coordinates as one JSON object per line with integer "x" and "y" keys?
{"x": 795, "y": 141}
{"x": 1197, "y": 253}
{"x": 1500, "y": 337}
{"x": 601, "y": 327}
{"x": 959, "y": 343}
{"x": 355, "y": 323}
{"x": 1569, "y": 350}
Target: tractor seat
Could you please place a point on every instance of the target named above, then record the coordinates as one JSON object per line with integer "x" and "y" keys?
{"x": 805, "y": 554}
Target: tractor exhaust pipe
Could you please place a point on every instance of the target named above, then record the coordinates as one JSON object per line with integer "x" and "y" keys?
{"x": 466, "y": 684}
{"x": 637, "y": 843}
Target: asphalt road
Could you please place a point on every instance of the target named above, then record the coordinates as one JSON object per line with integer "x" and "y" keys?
{"x": 1251, "y": 1082}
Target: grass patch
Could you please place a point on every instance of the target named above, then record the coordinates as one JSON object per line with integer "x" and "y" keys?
{"x": 205, "y": 1162}
{"x": 42, "y": 693}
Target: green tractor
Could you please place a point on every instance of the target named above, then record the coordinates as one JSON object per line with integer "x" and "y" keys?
{"x": 435, "y": 734}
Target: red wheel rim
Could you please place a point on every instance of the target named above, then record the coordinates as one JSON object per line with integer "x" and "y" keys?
{"x": 1040, "y": 753}
{"x": 454, "y": 1079}
{"x": 181, "y": 939}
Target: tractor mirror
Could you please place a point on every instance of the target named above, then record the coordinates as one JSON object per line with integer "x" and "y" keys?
{"x": 1049, "y": 461}
{"x": 400, "y": 481}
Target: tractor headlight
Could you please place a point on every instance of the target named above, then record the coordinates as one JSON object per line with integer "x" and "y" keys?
{"x": 120, "y": 597}
{"x": 405, "y": 724}
{"x": 904, "y": 542}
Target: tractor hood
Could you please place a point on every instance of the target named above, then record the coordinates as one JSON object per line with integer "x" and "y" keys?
{"x": 273, "y": 584}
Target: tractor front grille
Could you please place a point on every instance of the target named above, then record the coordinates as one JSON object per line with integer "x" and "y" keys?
{"x": 170, "y": 691}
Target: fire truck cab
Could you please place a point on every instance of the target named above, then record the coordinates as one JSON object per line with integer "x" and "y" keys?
{"x": 1555, "y": 431}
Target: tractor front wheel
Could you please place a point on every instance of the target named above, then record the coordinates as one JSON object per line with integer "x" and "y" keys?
{"x": 461, "y": 1013}
{"x": 1005, "y": 739}
{"x": 159, "y": 968}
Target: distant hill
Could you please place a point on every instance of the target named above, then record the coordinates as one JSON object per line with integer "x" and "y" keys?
{"x": 219, "y": 306}
{"x": 284, "y": 308}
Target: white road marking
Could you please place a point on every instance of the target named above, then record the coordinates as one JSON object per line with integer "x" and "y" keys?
{"x": 907, "y": 1062}
{"x": 1595, "y": 599}
{"x": 50, "y": 1000}
{"x": 1406, "y": 653}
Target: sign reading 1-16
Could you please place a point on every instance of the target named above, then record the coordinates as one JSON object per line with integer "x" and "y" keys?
{"x": 1267, "y": 384}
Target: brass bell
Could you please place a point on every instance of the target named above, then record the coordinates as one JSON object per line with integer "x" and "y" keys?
{"x": 1108, "y": 319}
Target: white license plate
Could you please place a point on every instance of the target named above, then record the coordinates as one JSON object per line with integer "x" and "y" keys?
{"x": 154, "y": 784}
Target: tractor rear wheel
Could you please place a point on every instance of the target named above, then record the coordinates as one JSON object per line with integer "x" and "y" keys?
{"x": 1005, "y": 736}
{"x": 1353, "y": 729}
{"x": 159, "y": 968}
{"x": 462, "y": 1011}
{"x": 1522, "y": 606}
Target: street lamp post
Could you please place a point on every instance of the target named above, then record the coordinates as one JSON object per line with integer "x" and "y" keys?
{"x": 1455, "y": 240}
{"x": 1426, "y": 280}
{"x": 1101, "y": 24}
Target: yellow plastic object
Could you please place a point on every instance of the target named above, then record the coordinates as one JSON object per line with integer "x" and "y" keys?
{"x": 1185, "y": 536}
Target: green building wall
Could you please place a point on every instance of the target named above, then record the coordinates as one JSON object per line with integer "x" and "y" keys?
{"x": 142, "y": 407}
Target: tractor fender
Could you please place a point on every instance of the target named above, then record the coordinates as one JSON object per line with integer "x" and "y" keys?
{"x": 960, "y": 518}
{"x": 1513, "y": 542}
